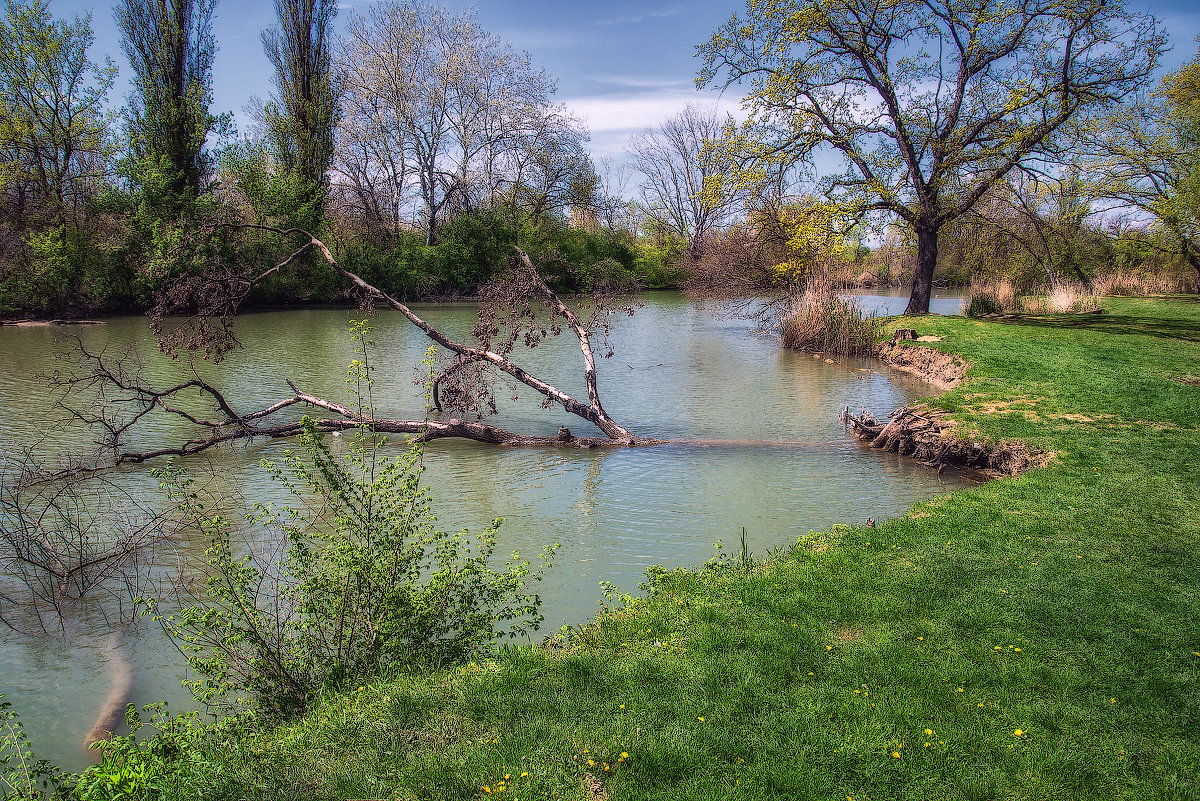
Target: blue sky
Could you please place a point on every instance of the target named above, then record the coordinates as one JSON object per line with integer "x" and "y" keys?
{"x": 622, "y": 65}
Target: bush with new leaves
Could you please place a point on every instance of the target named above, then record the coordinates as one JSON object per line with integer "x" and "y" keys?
{"x": 355, "y": 578}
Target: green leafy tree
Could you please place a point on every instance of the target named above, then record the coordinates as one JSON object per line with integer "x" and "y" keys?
{"x": 300, "y": 119}
{"x": 927, "y": 104}
{"x": 1150, "y": 153}
{"x": 170, "y": 46}
{"x": 53, "y": 127}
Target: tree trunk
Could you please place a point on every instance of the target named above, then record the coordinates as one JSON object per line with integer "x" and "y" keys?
{"x": 1193, "y": 258}
{"x": 927, "y": 252}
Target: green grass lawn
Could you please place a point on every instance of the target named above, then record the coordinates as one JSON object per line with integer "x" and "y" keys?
{"x": 1036, "y": 637}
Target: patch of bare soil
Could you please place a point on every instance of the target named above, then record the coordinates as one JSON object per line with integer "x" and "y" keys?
{"x": 943, "y": 370}
{"x": 595, "y": 789}
{"x": 930, "y": 438}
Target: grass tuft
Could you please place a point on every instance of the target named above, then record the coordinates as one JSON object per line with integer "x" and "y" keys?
{"x": 820, "y": 320}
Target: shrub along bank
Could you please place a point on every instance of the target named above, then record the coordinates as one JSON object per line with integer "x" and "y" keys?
{"x": 1033, "y": 637}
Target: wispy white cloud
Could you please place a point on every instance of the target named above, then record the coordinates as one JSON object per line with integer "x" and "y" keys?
{"x": 643, "y": 82}
{"x": 641, "y": 16}
{"x": 612, "y": 119}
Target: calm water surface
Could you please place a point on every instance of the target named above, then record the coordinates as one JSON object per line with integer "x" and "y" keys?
{"x": 763, "y": 450}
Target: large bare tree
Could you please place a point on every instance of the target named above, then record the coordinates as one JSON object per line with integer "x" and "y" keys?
{"x": 443, "y": 112}
{"x": 685, "y": 188}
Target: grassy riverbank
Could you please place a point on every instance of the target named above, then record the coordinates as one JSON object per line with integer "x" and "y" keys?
{"x": 1035, "y": 638}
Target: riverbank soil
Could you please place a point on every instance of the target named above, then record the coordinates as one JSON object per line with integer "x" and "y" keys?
{"x": 1034, "y": 637}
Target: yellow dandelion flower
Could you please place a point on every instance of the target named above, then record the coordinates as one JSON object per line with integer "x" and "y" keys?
{"x": 624, "y": 755}
{"x": 997, "y": 648}
{"x": 921, "y": 639}
{"x": 1018, "y": 650}
{"x": 524, "y": 774}
{"x": 622, "y": 706}
{"x": 895, "y": 755}
{"x": 960, "y": 690}
{"x": 1018, "y": 733}
{"x": 486, "y": 789}
{"x": 929, "y": 732}
{"x": 926, "y": 745}
{"x": 591, "y": 763}
{"x": 700, "y": 718}
{"x": 828, "y": 647}
{"x": 1112, "y": 700}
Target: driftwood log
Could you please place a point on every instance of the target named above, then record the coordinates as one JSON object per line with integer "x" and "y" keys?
{"x": 927, "y": 436}
{"x": 112, "y": 712}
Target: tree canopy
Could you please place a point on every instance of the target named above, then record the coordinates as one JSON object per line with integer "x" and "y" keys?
{"x": 1149, "y": 152}
{"x": 928, "y": 104}
{"x": 54, "y": 132}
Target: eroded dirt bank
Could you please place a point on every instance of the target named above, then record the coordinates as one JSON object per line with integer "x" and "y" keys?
{"x": 928, "y": 435}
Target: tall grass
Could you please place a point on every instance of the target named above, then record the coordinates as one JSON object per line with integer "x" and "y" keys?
{"x": 1001, "y": 297}
{"x": 992, "y": 297}
{"x": 821, "y": 320}
{"x": 1139, "y": 284}
{"x": 1063, "y": 299}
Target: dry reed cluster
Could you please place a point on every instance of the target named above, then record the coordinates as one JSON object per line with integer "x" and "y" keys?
{"x": 819, "y": 319}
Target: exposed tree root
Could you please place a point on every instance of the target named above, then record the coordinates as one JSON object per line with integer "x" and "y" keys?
{"x": 928, "y": 437}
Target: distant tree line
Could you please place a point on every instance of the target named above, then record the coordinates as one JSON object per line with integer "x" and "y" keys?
{"x": 1017, "y": 141}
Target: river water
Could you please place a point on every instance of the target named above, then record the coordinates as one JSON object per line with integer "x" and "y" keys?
{"x": 762, "y": 449}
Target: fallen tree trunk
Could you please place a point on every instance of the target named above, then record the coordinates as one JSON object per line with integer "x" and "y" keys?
{"x": 927, "y": 436}
{"x": 128, "y": 399}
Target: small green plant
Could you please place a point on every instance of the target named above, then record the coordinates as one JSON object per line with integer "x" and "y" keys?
{"x": 983, "y": 303}
{"x": 356, "y": 579}
{"x": 22, "y": 775}
{"x": 164, "y": 765}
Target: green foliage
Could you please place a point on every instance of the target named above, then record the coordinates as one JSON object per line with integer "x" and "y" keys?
{"x": 476, "y": 247}
{"x": 658, "y": 263}
{"x": 983, "y": 303}
{"x": 361, "y": 582}
{"x": 22, "y": 775}
{"x": 301, "y": 118}
{"x": 168, "y": 764}
{"x": 171, "y": 49}
{"x": 53, "y": 129}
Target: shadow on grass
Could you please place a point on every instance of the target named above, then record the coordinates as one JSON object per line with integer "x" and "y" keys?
{"x": 1120, "y": 324}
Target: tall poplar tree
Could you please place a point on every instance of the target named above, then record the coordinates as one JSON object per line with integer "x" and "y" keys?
{"x": 170, "y": 46}
{"x": 300, "y": 119}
